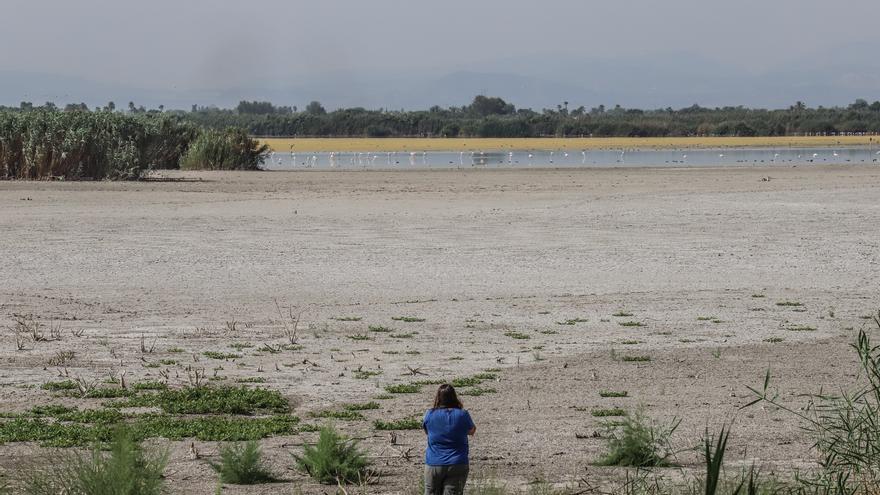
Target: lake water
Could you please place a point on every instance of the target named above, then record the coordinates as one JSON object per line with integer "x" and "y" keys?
{"x": 573, "y": 159}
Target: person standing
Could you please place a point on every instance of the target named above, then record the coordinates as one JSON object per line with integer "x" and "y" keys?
{"x": 447, "y": 426}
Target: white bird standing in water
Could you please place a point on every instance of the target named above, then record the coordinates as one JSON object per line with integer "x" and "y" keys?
{"x": 585, "y": 157}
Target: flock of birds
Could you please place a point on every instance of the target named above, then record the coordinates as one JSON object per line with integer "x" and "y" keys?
{"x": 474, "y": 158}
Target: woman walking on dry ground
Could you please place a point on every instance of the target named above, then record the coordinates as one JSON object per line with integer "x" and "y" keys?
{"x": 447, "y": 425}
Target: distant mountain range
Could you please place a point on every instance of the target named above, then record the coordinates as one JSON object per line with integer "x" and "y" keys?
{"x": 673, "y": 80}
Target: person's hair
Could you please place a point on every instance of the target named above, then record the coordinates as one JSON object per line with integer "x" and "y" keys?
{"x": 446, "y": 397}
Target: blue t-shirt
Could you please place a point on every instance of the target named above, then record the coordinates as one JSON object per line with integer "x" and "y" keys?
{"x": 447, "y": 430}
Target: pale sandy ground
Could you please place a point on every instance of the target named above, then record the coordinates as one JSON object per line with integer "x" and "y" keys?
{"x": 476, "y": 254}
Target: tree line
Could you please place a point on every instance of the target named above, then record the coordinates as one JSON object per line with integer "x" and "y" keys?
{"x": 493, "y": 117}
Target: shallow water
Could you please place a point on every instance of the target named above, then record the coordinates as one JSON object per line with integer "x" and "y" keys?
{"x": 574, "y": 159}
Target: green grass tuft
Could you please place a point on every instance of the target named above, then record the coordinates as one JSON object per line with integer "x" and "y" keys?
{"x": 242, "y": 464}
{"x": 334, "y": 460}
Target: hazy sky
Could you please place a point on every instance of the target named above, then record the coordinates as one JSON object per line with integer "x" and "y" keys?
{"x": 216, "y": 44}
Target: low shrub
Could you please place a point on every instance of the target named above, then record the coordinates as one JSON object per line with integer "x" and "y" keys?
{"x": 242, "y": 464}
{"x": 637, "y": 442}
{"x": 334, "y": 459}
{"x": 127, "y": 469}
{"x": 229, "y": 149}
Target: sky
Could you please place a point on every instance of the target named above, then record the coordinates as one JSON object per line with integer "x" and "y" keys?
{"x": 382, "y": 49}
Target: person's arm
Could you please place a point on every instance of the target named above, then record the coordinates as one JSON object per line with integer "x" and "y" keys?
{"x": 473, "y": 428}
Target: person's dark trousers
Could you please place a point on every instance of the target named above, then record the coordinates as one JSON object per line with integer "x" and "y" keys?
{"x": 445, "y": 480}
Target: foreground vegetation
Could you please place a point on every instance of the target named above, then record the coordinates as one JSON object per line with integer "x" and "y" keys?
{"x": 46, "y": 143}
{"x": 843, "y": 428}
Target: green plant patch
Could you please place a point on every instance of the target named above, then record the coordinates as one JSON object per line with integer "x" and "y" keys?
{"x": 221, "y": 355}
{"x": 403, "y": 388}
{"x": 211, "y": 400}
{"x": 622, "y": 314}
{"x": 345, "y": 414}
{"x": 517, "y": 335}
{"x": 466, "y": 381}
{"x": 486, "y": 376}
{"x": 251, "y": 379}
{"x": 400, "y": 424}
{"x": 573, "y": 321}
{"x": 362, "y": 406}
{"x": 347, "y": 318}
{"x": 214, "y": 428}
{"x": 789, "y": 304}
{"x": 800, "y": 328}
{"x": 611, "y": 412}
{"x": 630, "y": 323}
{"x": 379, "y": 329}
{"x": 108, "y": 393}
{"x": 364, "y": 374}
{"x": 635, "y": 359}
{"x": 433, "y": 381}
{"x": 59, "y": 386}
{"x": 408, "y": 319}
{"x": 612, "y": 393}
{"x": 149, "y": 385}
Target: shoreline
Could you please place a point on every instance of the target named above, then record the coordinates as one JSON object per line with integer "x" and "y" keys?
{"x": 317, "y": 145}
